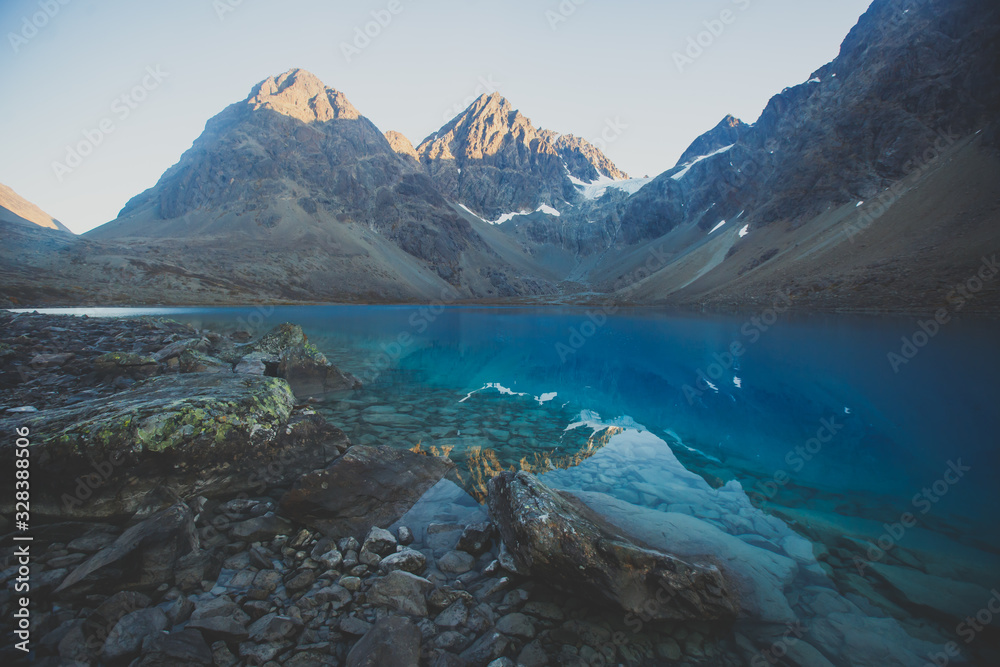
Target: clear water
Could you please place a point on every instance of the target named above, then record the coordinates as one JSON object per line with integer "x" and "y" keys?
{"x": 511, "y": 381}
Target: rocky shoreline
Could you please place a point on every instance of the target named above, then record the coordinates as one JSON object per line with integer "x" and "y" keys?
{"x": 190, "y": 507}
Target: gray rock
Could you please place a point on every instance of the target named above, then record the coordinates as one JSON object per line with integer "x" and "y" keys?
{"x": 393, "y": 642}
{"x": 487, "y": 648}
{"x": 408, "y": 560}
{"x": 353, "y": 625}
{"x": 455, "y": 616}
{"x": 405, "y": 536}
{"x": 517, "y": 625}
{"x": 125, "y": 639}
{"x": 186, "y": 647}
{"x": 261, "y": 528}
{"x": 476, "y": 538}
{"x": 379, "y": 541}
{"x": 219, "y": 628}
{"x": 456, "y": 562}
{"x": 272, "y": 628}
{"x": 401, "y": 591}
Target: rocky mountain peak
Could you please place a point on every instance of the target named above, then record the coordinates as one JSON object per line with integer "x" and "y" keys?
{"x": 400, "y": 144}
{"x": 301, "y": 95}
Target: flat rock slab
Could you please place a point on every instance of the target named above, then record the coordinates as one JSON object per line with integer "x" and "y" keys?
{"x": 368, "y": 486}
{"x": 957, "y": 599}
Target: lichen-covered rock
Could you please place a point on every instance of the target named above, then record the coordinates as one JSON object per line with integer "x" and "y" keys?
{"x": 192, "y": 361}
{"x": 561, "y": 543}
{"x": 287, "y": 352}
{"x": 189, "y": 434}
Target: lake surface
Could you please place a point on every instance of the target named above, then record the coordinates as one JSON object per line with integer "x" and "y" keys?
{"x": 829, "y": 436}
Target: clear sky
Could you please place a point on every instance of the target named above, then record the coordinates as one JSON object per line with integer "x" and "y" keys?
{"x": 573, "y": 66}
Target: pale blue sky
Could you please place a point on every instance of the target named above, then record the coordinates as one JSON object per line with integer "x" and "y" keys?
{"x": 607, "y": 61}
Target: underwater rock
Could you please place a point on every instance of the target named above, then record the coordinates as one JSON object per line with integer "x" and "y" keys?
{"x": 393, "y": 642}
{"x": 558, "y": 542}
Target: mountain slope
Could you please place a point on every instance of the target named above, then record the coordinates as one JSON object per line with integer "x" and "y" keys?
{"x": 15, "y": 208}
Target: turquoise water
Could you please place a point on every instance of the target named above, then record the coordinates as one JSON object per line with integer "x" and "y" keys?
{"x": 825, "y": 433}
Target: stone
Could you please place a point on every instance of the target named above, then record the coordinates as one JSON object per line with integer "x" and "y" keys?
{"x": 401, "y": 591}
{"x": 261, "y": 528}
{"x": 192, "y": 361}
{"x": 379, "y": 541}
{"x": 107, "y": 614}
{"x": 186, "y": 647}
{"x": 366, "y": 487}
{"x": 405, "y": 536}
{"x": 455, "y": 616}
{"x": 125, "y": 639}
{"x": 272, "y": 628}
{"x": 487, "y": 648}
{"x": 517, "y": 625}
{"x": 331, "y": 559}
{"x": 127, "y": 364}
{"x": 337, "y": 596}
{"x": 393, "y": 642}
{"x": 219, "y": 628}
{"x": 408, "y": 560}
{"x": 301, "y": 581}
{"x": 476, "y": 538}
{"x": 353, "y": 625}
{"x": 456, "y": 562}
{"x": 563, "y": 543}
{"x": 310, "y": 373}
{"x": 217, "y": 607}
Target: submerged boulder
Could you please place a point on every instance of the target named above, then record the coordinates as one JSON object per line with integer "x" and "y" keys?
{"x": 180, "y": 435}
{"x": 564, "y": 544}
{"x": 368, "y": 486}
{"x": 306, "y": 369}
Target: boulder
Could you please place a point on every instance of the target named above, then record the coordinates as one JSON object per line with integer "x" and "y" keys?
{"x": 192, "y": 361}
{"x": 393, "y": 642}
{"x": 562, "y": 543}
{"x": 407, "y": 560}
{"x": 306, "y": 369}
{"x": 170, "y": 436}
{"x": 368, "y": 486}
{"x": 186, "y": 647}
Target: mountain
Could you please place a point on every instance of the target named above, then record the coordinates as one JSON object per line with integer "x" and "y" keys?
{"x": 294, "y": 177}
{"x": 911, "y": 101}
{"x": 493, "y": 160}
{"x": 15, "y": 208}
{"x": 874, "y": 184}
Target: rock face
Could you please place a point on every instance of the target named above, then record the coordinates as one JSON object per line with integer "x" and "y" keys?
{"x": 493, "y": 160}
{"x": 550, "y": 538}
{"x": 366, "y": 487}
{"x": 15, "y": 208}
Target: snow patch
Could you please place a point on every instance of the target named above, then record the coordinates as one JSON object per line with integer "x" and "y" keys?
{"x": 596, "y": 189}
{"x": 683, "y": 172}
{"x": 744, "y": 231}
{"x": 718, "y": 227}
{"x": 816, "y": 80}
